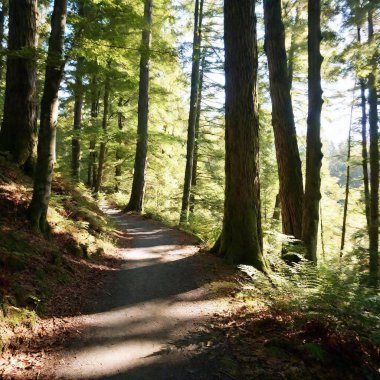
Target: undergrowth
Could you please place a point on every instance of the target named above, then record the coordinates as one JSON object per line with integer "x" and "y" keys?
{"x": 35, "y": 267}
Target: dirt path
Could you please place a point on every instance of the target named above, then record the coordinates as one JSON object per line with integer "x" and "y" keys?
{"x": 157, "y": 297}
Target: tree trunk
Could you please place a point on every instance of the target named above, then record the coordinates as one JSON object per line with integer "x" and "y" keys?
{"x": 198, "y": 16}
{"x": 197, "y": 129}
{"x": 138, "y": 184}
{"x": 103, "y": 143}
{"x": 348, "y": 170}
{"x": 19, "y": 129}
{"x": 277, "y": 208}
{"x": 363, "y": 105}
{"x": 241, "y": 238}
{"x": 288, "y": 158}
{"x": 313, "y": 140}
{"x": 78, "y": 104}
{"x": 373, "y": 163}
{"x": 364, "y": 151}
{"x": 92, "y": 169}
{"x": 120, "y": 124}
{"x": 3, "y": 15}
{"x": 48, "y": 119}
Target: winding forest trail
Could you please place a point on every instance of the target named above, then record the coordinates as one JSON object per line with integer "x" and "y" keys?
{"x": 156, "y": 298}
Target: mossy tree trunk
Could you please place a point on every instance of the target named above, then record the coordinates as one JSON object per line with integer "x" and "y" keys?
{"x": 288, "y": 158}
{"x": 241, "y": 238}
{"x": 313, "y": 139}
{"x": 19, "y": 128}
{"x": 138, "y": 185}
{"x": 48, "y": 119}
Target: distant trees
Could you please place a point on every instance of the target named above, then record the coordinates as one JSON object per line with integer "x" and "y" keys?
{"x": 241, "y": 238}
{"x": 48, "y": 119}
{"x": 138, "y": 184}
{"x": 19, "y": 128}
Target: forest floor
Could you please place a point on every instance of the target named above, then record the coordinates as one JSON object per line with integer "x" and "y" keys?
{"x": 143, "y": 302}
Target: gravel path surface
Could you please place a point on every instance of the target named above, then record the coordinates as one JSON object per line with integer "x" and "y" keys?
{"x": 156, "y": 298}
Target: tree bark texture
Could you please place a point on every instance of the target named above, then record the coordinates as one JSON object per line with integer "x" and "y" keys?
{"x": 48, "y": 119}
{"x": 19, "y": 128}
{"x": 195, "y": 74}
{"x": 138, "y": 184}
{"x": 241, "y": 238}
{"x": 373, "y": 162}
{"x": 313, "y": 140}
{"x": 288, "y": 158}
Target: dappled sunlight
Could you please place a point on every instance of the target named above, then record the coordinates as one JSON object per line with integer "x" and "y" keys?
{"x": 156, "y": 298}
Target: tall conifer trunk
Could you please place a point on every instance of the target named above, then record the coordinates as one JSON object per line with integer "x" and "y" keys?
{"x": 48, "y": 119}
{"x": 194, "y": 176}
{"x": 138, "y": 184}
{"x": 120, "y": 124}
{"x": 191, "y": 128}
{"x": 313, "y": 140}
{"x": 92, "y": 168}
{"x": 288, "y": 158}
{"x": 19, "y": 128}
{"x": 241, "y": 238}
{"x": 373, "y": 162}
{"x": 78, "y": 104}
{"x": 363, "y": 122}
{"x": 103, "y": 143}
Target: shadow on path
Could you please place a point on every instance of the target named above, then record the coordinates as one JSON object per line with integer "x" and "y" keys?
{"x": 155, "y": 298}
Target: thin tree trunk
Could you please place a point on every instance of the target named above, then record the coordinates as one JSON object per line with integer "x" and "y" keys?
{"x": 374, "y": 163}
{"x": 103, "y": 143}
{"x": 3, "y": 15}
{"x": 322, "y": 231}
{"x": 313, "y": 140}
{"x": 138, "y": 185}
{"x": 241, "y": 238}
{"x": 19, "y": 129}
{"x": 288, "y": 158}
{"x": 78, "y": 104}
{"x": 364, "y": 151}
{"x": 348, "y": 170}
{"x": 92, "y": 170}
{"x": 48, "y": 120}
{"x": 120, "y": 124}
{"x": 363, "y": 105}
{"x": 194, "y": 176}
{"x": 277, "y": 208}
{"x": 195, "y": 74}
